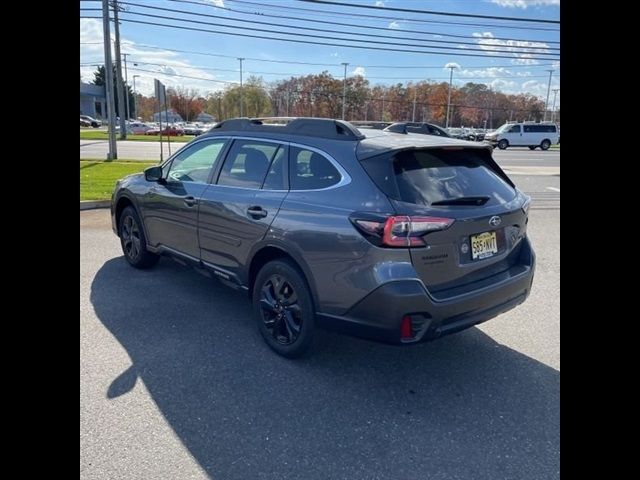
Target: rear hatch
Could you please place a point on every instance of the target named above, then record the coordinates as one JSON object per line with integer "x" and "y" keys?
{"x": 476, "y": 218}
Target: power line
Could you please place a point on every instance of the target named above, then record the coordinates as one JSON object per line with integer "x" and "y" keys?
{"x": 215, "y": 69}
{"x": 450, "y": 54}
{"x": 351, "y": 25}
{"x": 412, "y": 20}
{"x": 511, "y": 49}
{"x": 182, "y": 76}
{"x": 293, "y": 62}
{"x": 432, "y": 12}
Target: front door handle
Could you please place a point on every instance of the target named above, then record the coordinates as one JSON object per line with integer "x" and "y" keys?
{"x": 190, "y": 201}
{"x": 257, "y": 212}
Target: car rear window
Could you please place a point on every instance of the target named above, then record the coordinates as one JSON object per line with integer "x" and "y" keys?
{"x": 426, "y": 176}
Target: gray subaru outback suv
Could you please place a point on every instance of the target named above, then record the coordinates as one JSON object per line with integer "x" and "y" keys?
{"x": 390, "y": 236}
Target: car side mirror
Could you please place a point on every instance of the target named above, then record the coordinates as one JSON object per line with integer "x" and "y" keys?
{"x": 153, "y": 174}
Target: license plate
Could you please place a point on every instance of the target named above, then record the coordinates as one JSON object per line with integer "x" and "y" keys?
{"x": 483, "y": 245}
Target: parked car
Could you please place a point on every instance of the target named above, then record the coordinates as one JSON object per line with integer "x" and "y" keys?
{"x": 191, "y": 129}
{"x": 92, "y": 121}
{"x": 417, "y": 127}
{"x": 458, "y": 133}
{"x": 85, "y": 123}
{"x": 526, "y": 134}
{"x": 138, "y": 128}
{"x": 168, "y": 131}
{"x": 395, "y": 237}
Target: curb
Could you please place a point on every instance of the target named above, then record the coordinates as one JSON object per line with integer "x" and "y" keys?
{"x": 91, "y": 204}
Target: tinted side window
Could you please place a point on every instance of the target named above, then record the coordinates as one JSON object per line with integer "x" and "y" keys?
{"x": 528, "y": 128}
{"x": 435, "y": 131}
{"x": 247, "y": 163}
{"x": 194, "y": 164}
{"x": 310, "y": 171}
{"x": 276, "y": 177}
{"x": 514, "y": 129}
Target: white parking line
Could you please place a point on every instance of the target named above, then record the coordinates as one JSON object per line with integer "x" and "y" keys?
{"x": 554, "y": 189}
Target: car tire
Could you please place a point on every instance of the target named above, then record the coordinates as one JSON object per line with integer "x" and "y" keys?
{"x": 532, "y": 147}
{"x": 545, "y": 145}
{"x": 134, "y": 241}
{"x": 503, "y": 144}
{"x": 286, "y": 325}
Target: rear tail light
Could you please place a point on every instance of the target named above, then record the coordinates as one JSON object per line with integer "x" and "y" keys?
{"x": 401, "y": 230}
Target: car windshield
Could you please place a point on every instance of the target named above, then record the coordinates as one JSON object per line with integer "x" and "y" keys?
{"x": 504, "y": 127}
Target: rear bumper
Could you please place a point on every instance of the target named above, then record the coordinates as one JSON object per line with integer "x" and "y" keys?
{"x": 379, "y": 315}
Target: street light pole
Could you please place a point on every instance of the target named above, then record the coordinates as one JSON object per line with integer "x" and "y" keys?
{"x": 553, "y": 110}
{"x": 344, "y": 90}
{"x": 119, "y": 84}
{"x": 415, "y": 94}
{"x": 241, "y": 59}
{"x": 546, "y": 104}
{"x": 135, "y": 97}
{"x": 108, "y": 73}
{"x": 126, "y": 87}
{"x": 449, "y": 97}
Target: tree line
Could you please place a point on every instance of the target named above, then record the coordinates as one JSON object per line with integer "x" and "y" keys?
{"x": 320, "y": 95}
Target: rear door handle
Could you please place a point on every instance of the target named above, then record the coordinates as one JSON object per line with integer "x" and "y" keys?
{"x": 257, "y": 212}
{"x": 190, "y": 201}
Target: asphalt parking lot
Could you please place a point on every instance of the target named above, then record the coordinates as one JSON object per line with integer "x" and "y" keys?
{"x": 176, "y": 382}
{"x": 137, "y": 150}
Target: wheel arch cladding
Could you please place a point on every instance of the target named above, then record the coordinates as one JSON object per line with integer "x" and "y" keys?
{"x": 123, "y": 202}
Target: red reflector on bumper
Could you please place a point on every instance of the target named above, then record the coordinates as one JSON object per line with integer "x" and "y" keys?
{"x": 405, "y": 328}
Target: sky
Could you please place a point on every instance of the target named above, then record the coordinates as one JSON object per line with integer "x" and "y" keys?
{"x": 212, "y": 64}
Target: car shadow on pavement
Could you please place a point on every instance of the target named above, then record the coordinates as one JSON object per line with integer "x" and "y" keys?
{"x": 463, "y": 406}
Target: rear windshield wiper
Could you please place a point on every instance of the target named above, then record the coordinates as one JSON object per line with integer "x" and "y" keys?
{"x": 481, "y": 200}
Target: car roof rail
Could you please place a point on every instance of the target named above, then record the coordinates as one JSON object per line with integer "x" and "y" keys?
{"x": 398, "y": 127}
{"x": 311, "y": 127}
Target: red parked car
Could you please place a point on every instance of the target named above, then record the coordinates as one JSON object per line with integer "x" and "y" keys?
{"x": 169, "y": 131}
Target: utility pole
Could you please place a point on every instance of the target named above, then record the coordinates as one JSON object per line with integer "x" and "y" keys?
{"x": 546, "y": 104}
{"x": 123, "y": 127}
{"x": 126, "y": 86}
{"x": 415, "y": 94}
{"x": 344, "y": 89}
{"x": 288, "y": 100}
{"x": 382, "y": 114}
{"x": 135, "y": 97}
{"x": 108, "y": 74}
{"x": 553, "y": 110}
{"x": 449, "y": 99}
{"x": 241, "y": 59}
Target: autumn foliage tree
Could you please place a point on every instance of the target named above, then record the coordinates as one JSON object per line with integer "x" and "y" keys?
{"x": 320, "y": 95}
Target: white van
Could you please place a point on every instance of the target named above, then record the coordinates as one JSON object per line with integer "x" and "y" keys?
{"x": 530, "y": 135}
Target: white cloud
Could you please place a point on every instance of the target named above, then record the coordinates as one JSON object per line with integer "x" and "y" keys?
{"x": 505, "y": 86}
{"x": 394, "y": 25}
{"x": 437, "y": 36}
{"x": 524, "y": 60}
{"x": 379, "y": 4}
{"x": 487, "y": 42}
{"x": 217, "y": 3}
{"x": 359, "y": 71}
{"x": 334, "y": 54}
{"x": 556, "y": 64}
{"x": 167, "y": 65}
{"x": 524, "y": 3}
{"x": 452, "y": 64}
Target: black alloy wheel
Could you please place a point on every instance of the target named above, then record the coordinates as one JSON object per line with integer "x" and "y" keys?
{"x": 281, "y": 313}
{"x": 283, "y": 308}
